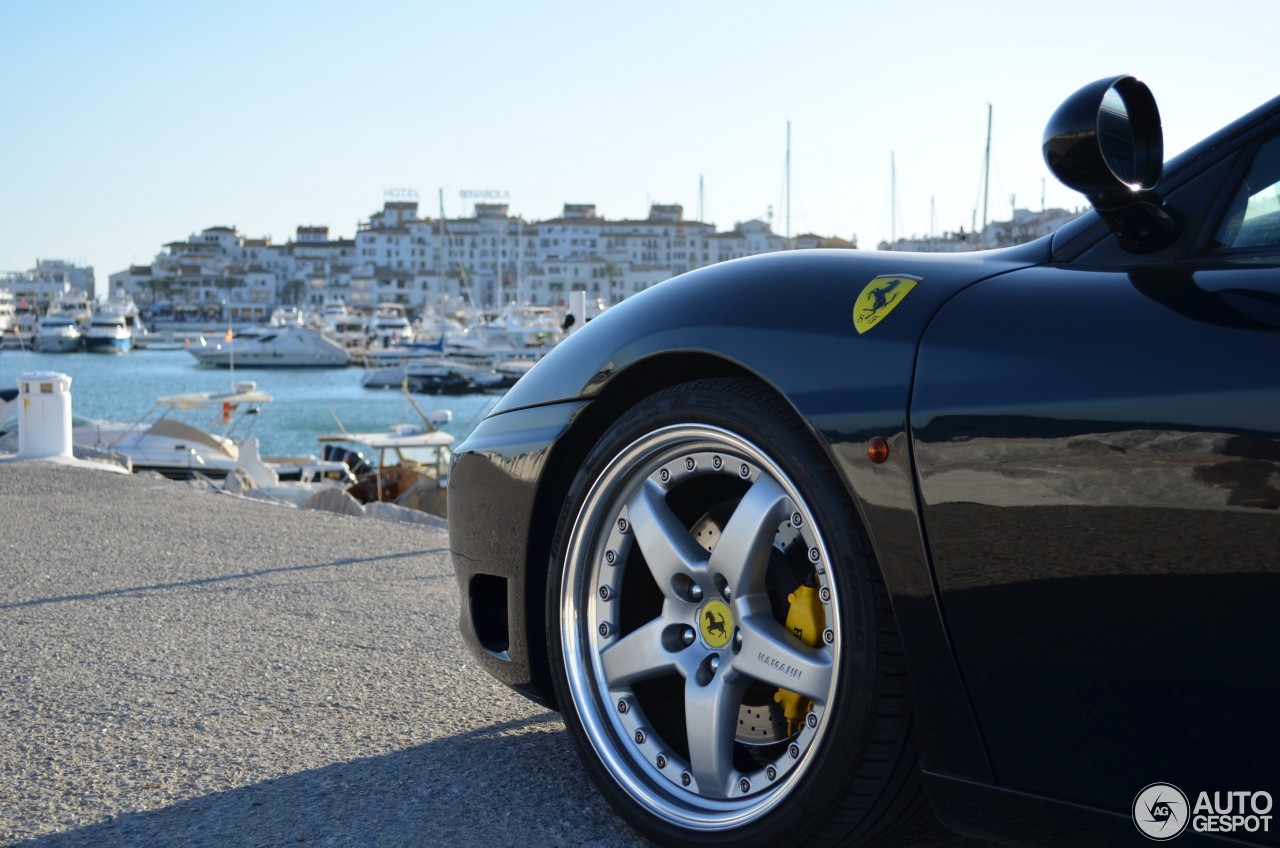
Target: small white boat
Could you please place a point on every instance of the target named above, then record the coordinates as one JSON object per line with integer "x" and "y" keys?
{"x": 181, "y": 449}
{"x": 410, "y": 464}
{"x": 161, "y": 340}
{"x": 276, "y": 347}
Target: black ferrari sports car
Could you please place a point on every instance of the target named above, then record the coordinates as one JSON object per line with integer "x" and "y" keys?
{"x": 799, "y": 542}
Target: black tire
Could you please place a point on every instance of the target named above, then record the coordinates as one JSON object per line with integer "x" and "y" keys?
{"x": 679, "y": 639}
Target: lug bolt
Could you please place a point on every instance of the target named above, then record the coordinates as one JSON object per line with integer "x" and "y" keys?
{"x": 695, "y": 592}
{"x": 714, "y": 663}
{"x": 745, "y": 784}
{"x": 686, "y": 778}
{"x": 737, "y": 640}
{"x": 687, "y": 636}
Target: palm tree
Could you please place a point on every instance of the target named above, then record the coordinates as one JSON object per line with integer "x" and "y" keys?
{"x": 292, "y": 290}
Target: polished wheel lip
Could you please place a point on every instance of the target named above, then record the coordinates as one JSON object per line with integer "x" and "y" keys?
{"x": 660, "y": 780}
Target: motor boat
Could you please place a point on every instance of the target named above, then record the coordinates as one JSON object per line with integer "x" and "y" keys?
{"x": 7, "y": 310}
{"x": 108, "y": 332}
{"x": 57, "y": 332}
{"x": 409, "y": 465}
{"x": 275, "y": 347}
{"x": 182, "y": 449}
{"x": 22, "y": 331}
{"x": 390, "y": 325}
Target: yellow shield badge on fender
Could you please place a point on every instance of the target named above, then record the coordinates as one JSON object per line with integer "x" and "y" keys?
{"x": 880, "y": 297}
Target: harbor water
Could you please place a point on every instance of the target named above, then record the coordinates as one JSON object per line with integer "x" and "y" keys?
{"x": 307, "y": 402}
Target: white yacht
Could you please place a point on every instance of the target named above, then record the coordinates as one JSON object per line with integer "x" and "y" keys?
{"x": 108, "y": 331}
{"x": 349, "y": 331}
{"x": 274, "y": 347}
{"x": 332, "y": 311}
{"x": 57, "y": 332}
{"x": 390, "y": 326}
{"x": 287, "y": 316}
{"x": 75, "y": 304}
{"x": 22, "y": 331}
{"x": 6, "y": 310}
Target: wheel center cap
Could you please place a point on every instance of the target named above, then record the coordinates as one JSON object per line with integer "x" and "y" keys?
{"x": 715, "y": 622}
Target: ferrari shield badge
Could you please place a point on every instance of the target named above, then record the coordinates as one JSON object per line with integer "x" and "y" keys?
{"x": 880, "y": 297}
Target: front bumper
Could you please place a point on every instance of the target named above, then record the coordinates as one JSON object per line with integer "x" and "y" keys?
{"x": 499, "y": 534}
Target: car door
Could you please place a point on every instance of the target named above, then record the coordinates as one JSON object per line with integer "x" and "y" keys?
{"x": 1097, "y": 448}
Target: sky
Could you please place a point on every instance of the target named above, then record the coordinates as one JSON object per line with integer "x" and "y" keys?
{"x": 127, "y": 125}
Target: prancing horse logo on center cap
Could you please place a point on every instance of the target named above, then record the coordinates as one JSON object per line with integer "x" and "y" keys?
{"x": 880, "y": 297}
{"x": 715, "y": 621}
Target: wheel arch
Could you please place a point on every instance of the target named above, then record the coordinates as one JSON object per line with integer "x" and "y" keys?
{"x": 950, "y": 742}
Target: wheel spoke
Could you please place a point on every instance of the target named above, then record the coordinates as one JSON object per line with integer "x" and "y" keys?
{"x": 741, "y": 555}
{"x": 638, "y": 656}
{"x": 667, "y": 546}
{"x": 772, "y": 655}
{"x": 711, "y": 720}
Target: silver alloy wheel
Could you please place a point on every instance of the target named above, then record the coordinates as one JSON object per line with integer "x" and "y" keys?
{"x": 674, "y": 624}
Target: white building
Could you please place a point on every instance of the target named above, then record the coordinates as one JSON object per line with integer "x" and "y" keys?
{"x": 50, "y": 278}
{"x": 1025, "y": 226}
{"x": 487, "y": 260}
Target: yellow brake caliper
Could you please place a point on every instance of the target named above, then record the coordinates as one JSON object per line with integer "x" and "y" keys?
{"x": 806, "y": 620}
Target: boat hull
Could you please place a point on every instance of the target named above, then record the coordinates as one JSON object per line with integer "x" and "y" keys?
{"x": 56, "y": 344}
{"x": 95, "y": 344}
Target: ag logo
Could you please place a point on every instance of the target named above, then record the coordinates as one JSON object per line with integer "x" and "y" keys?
{"x": 880, "y": 297}
{"x": 1161, "y": 812}
{"x": 716, "y": 623}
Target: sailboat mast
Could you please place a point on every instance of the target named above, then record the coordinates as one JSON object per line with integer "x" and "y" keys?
{"x": 893, "y": 200}
{"x": 788, "y": 181}
{"x": 986, "y": 173}
{"x": 444, "y": 238}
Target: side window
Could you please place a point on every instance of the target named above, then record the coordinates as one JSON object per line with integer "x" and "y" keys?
{"x": 1253, "y": 218}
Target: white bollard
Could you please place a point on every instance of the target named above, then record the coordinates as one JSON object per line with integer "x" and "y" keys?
{"x": 44, "y": 415}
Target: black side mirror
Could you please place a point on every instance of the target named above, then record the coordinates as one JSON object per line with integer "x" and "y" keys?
{"x": 1105, "y": 141}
